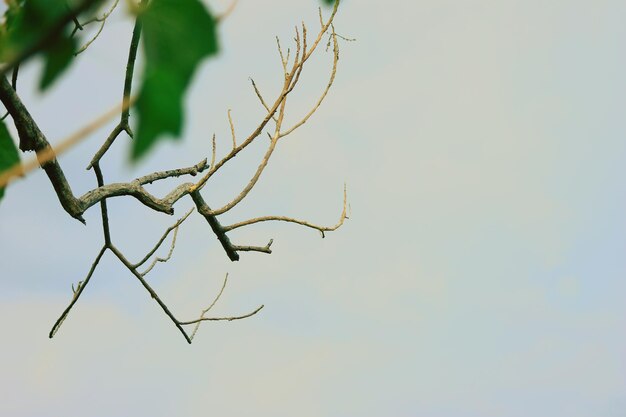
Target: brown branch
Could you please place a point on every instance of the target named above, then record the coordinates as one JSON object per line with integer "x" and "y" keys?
{"x": 305, "y": 223}
{"x": 258, "y": 94}
{"x": 213, "y": 151}
{"x": 264, "y": 249}
{"x": 134, "y": 189}
{"x": 206, "y": 310}
{"x": 222, "y": 16}
{"x": 77, "y": 293}
{"x": 156, "y": 176}
{"x": 162, "y": 239}
{"x": 172, "y": 246}
{"x": 102, "y": 19}
{"x": 333, "y": 73}
{"x": 291, "y": 78}
{"x": 245, "y": 316}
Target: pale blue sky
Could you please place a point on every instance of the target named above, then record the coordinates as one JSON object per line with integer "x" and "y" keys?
{"x": 481, "y": 271}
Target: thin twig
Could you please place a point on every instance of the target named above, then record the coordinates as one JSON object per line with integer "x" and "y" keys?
{"x": 77, "y": 294}
{"x": 305, "y": 223}
{"x": 324, "y": 93}
{"x": 282, "y": 58}
{"x": 245, "y": 316}
{"x": 126, "y": 96}
{"x": 159, "y": 259}
{"x": 222, "y": 16}
{"x": 102, "y": 19}
{"x": 153, "y": 294}
{"x": 213, "y": 151}
{"x": 258, "y": 94}
{"x": 206, "y": 310}
{"x": 162, "y": 239}
{"x": 232, "y": 129}
{"x": 288, "y": 85}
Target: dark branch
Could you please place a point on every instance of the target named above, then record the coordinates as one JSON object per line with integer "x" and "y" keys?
{"x": 153, "y": 294}
{"x": 217, "y": 228}
{"x": 77, "y": 293}
{"x": 32, "y": 139}
{"x": 128, "y": 83}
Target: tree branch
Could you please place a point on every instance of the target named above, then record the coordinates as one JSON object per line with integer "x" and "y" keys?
{"x": 245, "y": 316}
{"x": 128, "y": 83}
{"x": 305, "y": 223}
{"x": 205, "y": 210}
{"x": 77, "y": 293}
{"x": 32, "y": 139}
{"x": 173, "y": 227}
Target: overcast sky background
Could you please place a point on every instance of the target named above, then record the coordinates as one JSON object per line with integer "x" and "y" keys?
{"x": 481, "y": 272}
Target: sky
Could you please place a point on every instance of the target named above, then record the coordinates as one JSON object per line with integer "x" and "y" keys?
{"x": 480, "y": 272}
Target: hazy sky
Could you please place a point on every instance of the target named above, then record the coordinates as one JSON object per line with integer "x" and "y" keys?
{"x": 481, "y": 272}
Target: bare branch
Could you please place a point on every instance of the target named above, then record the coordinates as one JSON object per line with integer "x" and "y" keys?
{"x": 86, "y": 45}
{"x": 222, "y": 16}
{"x": 324, "y": 93}
{"x": 159, "y": 259}
{"x": 305, "y": 223}
{"x": 135, "y": 189}
{"x": 282, "y": 58}
{"x": 126, "y": 96}
{"x": 77, "y": 293}
{"x": 213, "y": 151}
{"x": 232, "y": 129}
{"x": 101, "y": 18}
{"x": 14, "y": 74}
{"x": 252, "y": 181}
{"x": 206, "y": 310}
{"x": 161, "y": 240}
{"x": 153, "y": 294}
{"x": 205, "y": 211}
{"x": 258, "y": 94}
{"x": 245, "y": 316}
{"x": 264, "y": 249}
{"x": 193, "y": 171}
{"x": 32, "y": 139}
{"x": 278, "y": 106}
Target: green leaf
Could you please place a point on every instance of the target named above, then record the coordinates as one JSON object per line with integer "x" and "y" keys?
{"x": 177, "y": 36}
{"x": 26, "y": 23}
{"x": 329, "y": 2}
{"x": 8, "y": 152}
{"x": 58, "y": 58}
